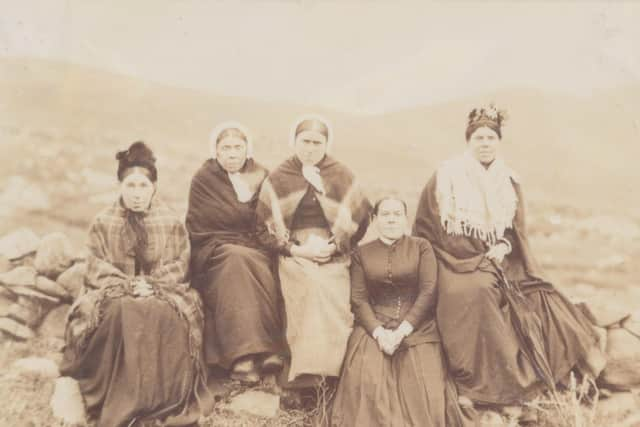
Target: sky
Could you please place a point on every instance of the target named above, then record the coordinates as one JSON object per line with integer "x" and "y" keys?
{"x": 354, "y": 56}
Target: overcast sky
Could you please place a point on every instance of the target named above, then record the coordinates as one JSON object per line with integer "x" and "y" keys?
{"x": 366, "y": 56}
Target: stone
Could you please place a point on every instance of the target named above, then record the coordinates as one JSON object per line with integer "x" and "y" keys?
{"x": 27, "y": 311}
{"x": 19, "y": 243}
{"x": 67, "y": 404}
{"x": 5, "y": 303}
{"x": 72, "y": 280}
{"x": 623, "y": 360}
{"x": 40, "y": 366}
{"x": 5, "y": 264}
{"x": 256, "y": 403}
{"x": 15, "y": 329}
{"x": 51, "y": 288}
{"x": 19, "y": 276}
{"x": 55, "y": 254}
{"x": 617, "y": 404}
{"x": 491, "y": 419}
{"x": 31, "y": 292}
{"x": 54, "y": 322}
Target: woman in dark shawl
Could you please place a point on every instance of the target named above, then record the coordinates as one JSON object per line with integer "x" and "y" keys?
{"x": 472, "y": 212}
{"x": 310, "y": 213}
{"x": 394, "y": 373}
{"x": 243, "y": 327}
{"x": 134, "y": 337}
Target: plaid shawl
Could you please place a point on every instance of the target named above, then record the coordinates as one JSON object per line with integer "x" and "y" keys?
{"x": 110, "y": 270}
{"x": 344, "y": 204}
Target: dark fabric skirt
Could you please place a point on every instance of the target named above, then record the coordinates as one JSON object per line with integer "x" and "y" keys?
{"x": 136, "y": 364}
{"x": 243, "y": 306}
{"x": 481, "y": 345}
{"x": 408, "y": 389}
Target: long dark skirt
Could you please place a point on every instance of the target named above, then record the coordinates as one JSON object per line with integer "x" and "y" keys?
{"x": 405, "y": 390}
{"x": 481, "y": 346}
{"x": 136, "y": 364}
{"x": 242, "y": 306}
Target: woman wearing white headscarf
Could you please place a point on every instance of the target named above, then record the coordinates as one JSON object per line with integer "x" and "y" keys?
{"x": 311, "y": 212}
{"x": 243, "y": 327}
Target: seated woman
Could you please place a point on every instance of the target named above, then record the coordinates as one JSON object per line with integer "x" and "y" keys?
{"x": 394, "y": 372}
{"x": 472, "y": 212}
{"x": 243, "y": 326}
{"x": 311, "y": 212}
{"x": 134, "y": 338}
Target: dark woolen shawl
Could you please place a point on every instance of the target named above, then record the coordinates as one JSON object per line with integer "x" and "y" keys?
{"x": 344, "y": 204}
{"x": 215, "y": 216}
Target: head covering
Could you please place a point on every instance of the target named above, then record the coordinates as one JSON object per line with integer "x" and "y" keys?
{"x": 313, "y": 122}
{"x": 137, "y": 155}
{"x": 488, "y": 116}
{"x": 226, "y": 129}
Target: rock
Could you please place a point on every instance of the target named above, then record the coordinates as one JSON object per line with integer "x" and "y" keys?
{"x": 54, "y": 323}
{"x": 66, "y": 402}
{"x": 37, "y": 365}
{"x": 51, "y": 288}
{"x": 72, "y": 280}
{"x": 632, "y": 324}
{"x": 55, "y": 254}
{"x": 19, "y": 276}
{"x": 623, "y": 360}
{"x": 31, "y": 292}
{"x": 15, "y": 329}
{"x": 5, "y": 302}
{"x": 256, "y": 403}
{"x": 5, "y": 264}
{"x": 491, "y": 419}
{"x": 19, "y": 243}
{"x": 27, "y": 311}
{"x": 618, "y": 404}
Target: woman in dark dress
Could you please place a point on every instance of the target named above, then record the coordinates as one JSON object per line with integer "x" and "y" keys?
{"x": 243, "y": 326}
{"x": 472, "y": 212}
{"x": 134, "y": 337}
{"x": 311, "y": 212}
{"x": 394, "y": 372}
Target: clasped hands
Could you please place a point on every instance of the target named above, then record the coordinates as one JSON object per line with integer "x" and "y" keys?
{"x": 390, "y": 339}
{"x": 141, "y": 288}
{"x": 315, "y": 249}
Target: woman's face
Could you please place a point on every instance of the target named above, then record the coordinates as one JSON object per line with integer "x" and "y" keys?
{"x": 231, "y": 153}
{"x": 137, "y": 191}
{"x": 311, "y": 146}
{"x": 391, "y": 219}
{"x": 483, "y": 144}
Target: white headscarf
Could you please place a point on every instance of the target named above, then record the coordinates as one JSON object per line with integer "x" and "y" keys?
{"x": 310, "y": 172}
{"x": 240, "y": 186}
{"x": 215, "y": 134}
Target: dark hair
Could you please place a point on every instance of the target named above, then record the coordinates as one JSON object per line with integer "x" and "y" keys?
{"x": 489, "y": 117}
{"x": 376, "y": 207}
{"x": 138, "y": 155}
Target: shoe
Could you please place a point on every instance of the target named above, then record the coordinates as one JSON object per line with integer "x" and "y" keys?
{"x": 244, "y": 370}
{"x": 272, "y": 364}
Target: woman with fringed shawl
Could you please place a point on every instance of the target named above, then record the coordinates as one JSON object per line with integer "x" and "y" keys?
{"x": 134, "y": 336}
{"x": 311, "y": 212}
{"x": 472, "y": 212}
{"x": 243, "y": 325}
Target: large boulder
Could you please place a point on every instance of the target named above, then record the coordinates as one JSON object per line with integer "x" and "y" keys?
{"x": 40, "y": 366}
{"x": 19, "y": 276}
{"x": 623, "y": 360}
{"x": 55, "y": 254}
{"x": 32, "y": 292}
{"x": 5, "y": 264}
{"x": 72, "y": 280}
{"x": 54, "y": 322}
{"x": 19, "y": 243}
{"x": 15, "y": 329}
{"x": 51, "y": 288}
{"x": 27, "y": 311}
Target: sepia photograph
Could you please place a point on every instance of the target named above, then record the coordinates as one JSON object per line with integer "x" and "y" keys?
{"x": 319, "y": 213}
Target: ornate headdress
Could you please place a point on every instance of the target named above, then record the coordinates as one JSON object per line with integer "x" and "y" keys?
{"x": 488, "y": 116}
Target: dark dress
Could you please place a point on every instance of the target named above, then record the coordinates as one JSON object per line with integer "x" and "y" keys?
{"x": 484, "y": 354}
{"x": 234, "y": 276}
{"x": 389, "y": 284}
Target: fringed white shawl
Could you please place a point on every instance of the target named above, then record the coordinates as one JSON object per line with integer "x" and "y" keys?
{"x": 475, "y": 201}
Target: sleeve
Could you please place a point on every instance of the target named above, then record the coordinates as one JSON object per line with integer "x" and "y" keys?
{"x": 100, "y": 270}
{"x": 174, "y": 269}
{"x": 427, "y": 223}
{"x": 270, "y": 242}
{"x": 361, "y": 231}
{"x": 360, "y": 303}
{"x": 264, "y": 235}
{"x": 427, "y": 276}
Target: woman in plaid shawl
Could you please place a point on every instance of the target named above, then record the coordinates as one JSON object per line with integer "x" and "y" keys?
{"x": 311, "y": 212}
{"x": 134, "y": 337}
